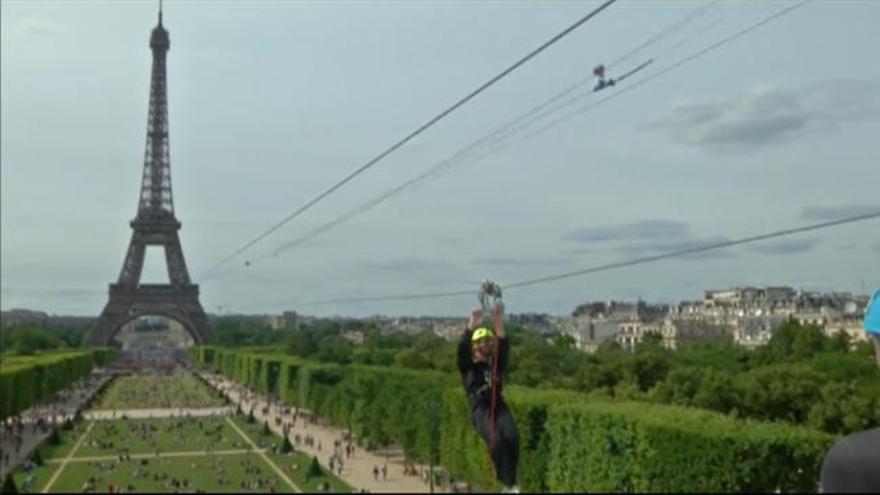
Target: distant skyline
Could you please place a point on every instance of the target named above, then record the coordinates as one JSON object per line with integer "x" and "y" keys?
{"x": 270, "y": 103}
{"x": 223, "y": 312}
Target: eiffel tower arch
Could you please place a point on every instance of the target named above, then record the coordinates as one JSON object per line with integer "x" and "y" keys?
{"x": 154, "y": 225}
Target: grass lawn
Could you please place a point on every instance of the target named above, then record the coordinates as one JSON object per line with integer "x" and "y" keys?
{"x": 206, "y": 471}
{"x": 145, "y": 436}
{"x": 68, "y": 439}
{"x": 39, "y": 477}
{"x": 210, "y": 473}
{"x": 296, "y": 464}
{"x": 158, "y": 391}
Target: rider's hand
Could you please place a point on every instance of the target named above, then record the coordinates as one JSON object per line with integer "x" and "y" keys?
{"x": 476, "y": 316}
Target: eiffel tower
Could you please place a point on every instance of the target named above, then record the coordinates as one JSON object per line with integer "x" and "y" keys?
{"x": 154, "y": 225}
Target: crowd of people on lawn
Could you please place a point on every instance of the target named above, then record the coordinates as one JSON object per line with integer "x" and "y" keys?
{"x": 186, "y": 433}
{"x": 152, "y": 391}
{"x": 160, "y": 472}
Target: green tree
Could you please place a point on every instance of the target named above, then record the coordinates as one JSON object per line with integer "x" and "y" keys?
{"x": 792, "y": 341}
{"x": 783, "y": 392}
{"x": 808, "y": 341}
{"x": 335, "y": 350}
{"x": 781, "y": 345}
{"x": 302, "y": 343}
{"x": 9, "y": 485}
{"x": 717, "y": 391}
{"x": 723, "y": 355}
{"x": 841, "y": 409}
{"x": 599, "y": 375}
{"x": 650, "y": 340}
{"x": 839, "y": 342}
{"x": 54, "y": 438}
{"x": 608, "y": 348}
{"x": 648, "y": 369}
{"x": 235, "y": 332}
{"x": 565, "y": 341}
{"x": 37, "y": 457}
{"x": 314, "y": 469}
{"x": 285, "y": 446}
{"x": 414, "y": 359}
{"x": 373, "y": 356}
{"x": 680, "y": 386}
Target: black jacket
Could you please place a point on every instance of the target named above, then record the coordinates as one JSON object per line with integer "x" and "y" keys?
{"x": 477, "y": 377}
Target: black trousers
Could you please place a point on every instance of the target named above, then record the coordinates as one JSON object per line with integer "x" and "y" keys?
{"x": 506, "y": 440}
{"x": 853, "y": 464}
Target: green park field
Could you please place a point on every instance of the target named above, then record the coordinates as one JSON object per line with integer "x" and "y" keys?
{"x": 195, "y": 454}
{"x": 157, "y": 391}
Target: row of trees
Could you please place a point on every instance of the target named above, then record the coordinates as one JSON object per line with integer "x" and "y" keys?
{"x": 25, "y": 381}
{"x": 30, "y": 339}
{"x": 27, "y": 340}
{"x": 570, "y": 441}
{"x": 802, "y": 376}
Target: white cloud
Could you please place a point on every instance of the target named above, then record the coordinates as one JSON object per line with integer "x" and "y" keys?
{"x": 769, "y": 115}
{"x": 34, "y": 26}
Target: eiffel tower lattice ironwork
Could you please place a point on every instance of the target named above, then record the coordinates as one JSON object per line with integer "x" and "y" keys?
{"x": 154, "y": 225}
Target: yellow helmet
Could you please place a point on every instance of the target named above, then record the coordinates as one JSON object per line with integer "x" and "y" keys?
{"x": 482, "y": 333}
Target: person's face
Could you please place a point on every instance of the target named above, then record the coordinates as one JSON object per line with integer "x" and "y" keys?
{"x": 482, "y": 349}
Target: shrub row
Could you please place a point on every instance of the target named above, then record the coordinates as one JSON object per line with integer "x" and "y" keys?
{"x": 25, "y": 381}
{"x": 568, "y": 441}
{"x": 379, "y": 405}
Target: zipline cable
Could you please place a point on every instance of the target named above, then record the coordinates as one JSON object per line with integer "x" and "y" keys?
{"x": 699, "y": 249}
{"x": 613, "y": 266}
{"x": 413, "y": 134}
{"x": 668, "y": 69}
{"x": 501, "y": 133}
{"x": 671, "y": 29}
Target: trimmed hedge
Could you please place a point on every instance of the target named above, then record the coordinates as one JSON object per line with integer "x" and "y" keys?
{"x": 25, "y": 381}
{"x": 381, "y": 405}
{"x": 568, "y": 441}
{"x": 646, "y": 447}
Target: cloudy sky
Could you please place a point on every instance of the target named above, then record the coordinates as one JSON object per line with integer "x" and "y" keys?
{"x": 272, "y": 102}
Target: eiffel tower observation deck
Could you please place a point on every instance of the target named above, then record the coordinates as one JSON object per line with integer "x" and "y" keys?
{"x": 154, "y": 225}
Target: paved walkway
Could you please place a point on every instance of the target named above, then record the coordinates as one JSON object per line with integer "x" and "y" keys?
{"x": 104, "y": 414}
{"x": 357, "y": 470}
{"x": 72, "y": 399}
{"x": 152, "y": 455}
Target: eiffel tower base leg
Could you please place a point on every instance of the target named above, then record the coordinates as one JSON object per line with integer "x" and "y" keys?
{"x": 180, "y": 303}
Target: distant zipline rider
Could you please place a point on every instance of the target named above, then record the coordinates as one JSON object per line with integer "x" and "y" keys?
{"x": 602, "y": 83}
{"x": 482, "y": 360}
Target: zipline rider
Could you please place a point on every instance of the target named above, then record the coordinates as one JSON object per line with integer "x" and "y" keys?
{"x": 481, "y": 375}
